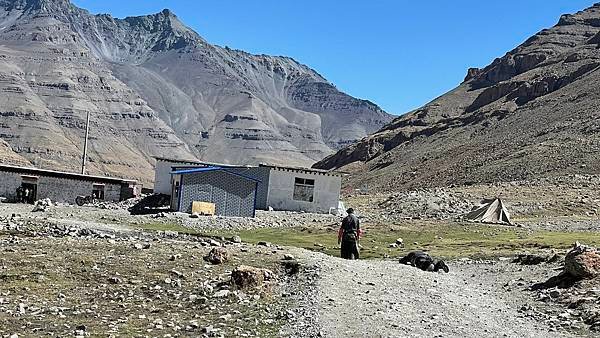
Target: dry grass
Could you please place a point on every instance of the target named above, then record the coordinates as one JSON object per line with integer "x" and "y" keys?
{"x": 65, "y": 283}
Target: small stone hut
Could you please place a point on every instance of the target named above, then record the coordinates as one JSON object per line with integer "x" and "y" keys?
{"x": 62, "y": 186}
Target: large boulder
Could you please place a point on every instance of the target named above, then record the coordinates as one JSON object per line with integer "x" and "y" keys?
{"x": 217, "y": 256}
{"x": 583, "y": 262}
{"x": 247, "y": 276}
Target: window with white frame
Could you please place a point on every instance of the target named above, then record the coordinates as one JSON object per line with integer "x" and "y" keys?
{"x": 304, "y": 189}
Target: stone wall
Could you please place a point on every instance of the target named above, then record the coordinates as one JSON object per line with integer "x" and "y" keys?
{"x": 9, "y": 182}
{"x": 66, "y": 190}
{"x": 57, "y": 189}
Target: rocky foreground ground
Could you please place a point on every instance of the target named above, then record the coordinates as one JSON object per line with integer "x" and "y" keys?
{"x": 98, "y": 271}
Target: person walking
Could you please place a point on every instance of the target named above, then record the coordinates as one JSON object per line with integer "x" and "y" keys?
{"x": 349, "y": 236}
{"x": 26, "y": 198}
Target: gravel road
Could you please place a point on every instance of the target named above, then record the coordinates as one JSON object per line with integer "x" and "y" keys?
{"x": 386, "y": 299}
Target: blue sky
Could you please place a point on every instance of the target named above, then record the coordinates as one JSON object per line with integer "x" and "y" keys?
{"x": 399, "y": 54}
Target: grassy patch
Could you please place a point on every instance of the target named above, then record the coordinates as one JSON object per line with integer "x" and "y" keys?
{"x": 449, "y": 240}
{"x": 444, "y": 239}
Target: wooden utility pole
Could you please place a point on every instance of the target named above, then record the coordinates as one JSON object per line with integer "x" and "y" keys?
{"x": 85, "y": 144}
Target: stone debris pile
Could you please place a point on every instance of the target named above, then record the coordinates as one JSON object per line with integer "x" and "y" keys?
{"x": 583, "y": 262}
{"x": 123, "y": 205}
{"x": 427, "y": 204}
{"x": 263, "y": 219}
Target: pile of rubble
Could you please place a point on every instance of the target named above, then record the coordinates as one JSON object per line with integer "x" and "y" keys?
{"x": 427, "y": 204}
{"x": 17, "y": 224}
{"x": 123, "y": 205}
{"x": 36, "y": 227}
{"x": 263, "y": 219}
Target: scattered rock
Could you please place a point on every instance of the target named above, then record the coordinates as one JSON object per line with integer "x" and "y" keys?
{"x": 177, "y": 274}
{"x": 221, "y": 294}
{"x": 436, "y": 203}
{"x": 140, "y": 246}
{"x": 291, "y": 267}
{"x": 217, "y": 256}
{"x": 42, "y": 205}
{"x": 115, "y": 280}
{"x": 247, "y": 276}
{"x": 226, "y": 317}
{"x": 583, "y": 262}
{"x": 160, "y": 215}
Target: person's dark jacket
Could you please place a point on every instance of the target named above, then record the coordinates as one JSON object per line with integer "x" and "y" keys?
{"x": 423, "y": 261}
{"x": 350, "y": 227}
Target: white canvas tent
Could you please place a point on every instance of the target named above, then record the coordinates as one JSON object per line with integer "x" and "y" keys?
{"x": 491, "y": 211}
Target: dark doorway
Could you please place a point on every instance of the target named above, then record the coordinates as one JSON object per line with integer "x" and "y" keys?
{"x": 98, "y": 191}
{"x": 28, "y": 193}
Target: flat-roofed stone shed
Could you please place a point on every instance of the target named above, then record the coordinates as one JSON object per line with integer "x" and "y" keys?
{"x": 62, "y": 186}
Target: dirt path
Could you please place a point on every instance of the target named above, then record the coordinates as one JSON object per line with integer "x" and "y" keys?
{"x": 386, "y": 299}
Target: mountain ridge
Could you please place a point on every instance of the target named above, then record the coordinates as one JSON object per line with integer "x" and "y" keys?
{"x": 504, "y": 122}
{"x": 155, "y": 87}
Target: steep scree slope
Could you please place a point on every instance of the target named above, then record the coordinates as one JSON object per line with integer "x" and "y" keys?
{"x": 156, "y": 88}
{"x": 534, "y": 112}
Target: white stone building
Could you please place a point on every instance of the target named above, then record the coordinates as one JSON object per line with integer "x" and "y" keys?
{"x": 280, "y": 188}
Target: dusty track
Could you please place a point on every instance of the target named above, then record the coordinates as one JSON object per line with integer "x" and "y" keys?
{"x": 385, "y": 299}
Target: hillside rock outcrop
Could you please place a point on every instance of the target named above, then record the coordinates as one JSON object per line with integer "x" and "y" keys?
{"x": 531, "y": 113}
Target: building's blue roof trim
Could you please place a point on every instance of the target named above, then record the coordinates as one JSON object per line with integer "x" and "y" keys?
{"x": 195, "y": 170}
{"x": 206, "y": 169}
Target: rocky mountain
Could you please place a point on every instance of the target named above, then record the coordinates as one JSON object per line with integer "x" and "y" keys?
{"x": 10, "y": 157}
{"x": 154, "y": 87}
{"x": 534, "y": 112}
